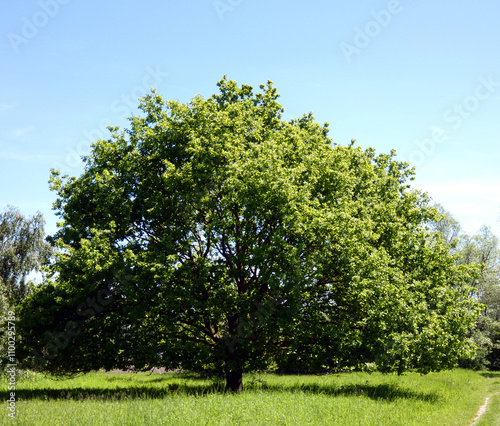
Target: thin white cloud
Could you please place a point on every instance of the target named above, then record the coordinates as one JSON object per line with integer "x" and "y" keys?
{"x": 479, "y": 189}
{"x": 6, "y": 107}
{"x": 481, "y": 154}
{"x": 473, "y": 202}
{"x": 15, "y": 156}
{"x": 21, "y": 132}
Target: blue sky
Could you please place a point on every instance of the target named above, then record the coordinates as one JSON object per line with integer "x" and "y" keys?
{"x": 420, "y": 77}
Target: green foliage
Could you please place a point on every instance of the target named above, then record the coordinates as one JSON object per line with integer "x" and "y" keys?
{"x": 481, "y": 250}
{"x": 23, "y": 249}
{"x": 215, "y": 235}
{"x": 447, "y": 227}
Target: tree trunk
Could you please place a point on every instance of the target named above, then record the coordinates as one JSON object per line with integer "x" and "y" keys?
{"x": 234, "y": 380}
{"x": 234, "y": 370}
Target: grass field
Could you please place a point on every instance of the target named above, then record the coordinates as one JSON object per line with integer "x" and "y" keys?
{"x": 446, "y": 398}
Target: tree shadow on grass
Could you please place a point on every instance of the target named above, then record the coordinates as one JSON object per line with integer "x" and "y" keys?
{"x": 118, "y": 379}
{"x": 490, "y": 374}
{"x": 384, "y": 392}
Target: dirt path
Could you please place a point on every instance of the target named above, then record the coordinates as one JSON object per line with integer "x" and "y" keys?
{"x": 482, "y": 409}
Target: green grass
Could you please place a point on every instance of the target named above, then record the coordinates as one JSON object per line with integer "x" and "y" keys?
{"x": 447, "y": 398}
{"x": 492, "y": 415}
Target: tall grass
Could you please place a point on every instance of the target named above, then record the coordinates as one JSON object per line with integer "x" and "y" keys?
{"x": 447, "y": 398}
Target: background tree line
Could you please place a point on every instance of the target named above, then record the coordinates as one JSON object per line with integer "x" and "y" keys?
{"x": 23, "y": 250}
{"x": 480, "y": 249}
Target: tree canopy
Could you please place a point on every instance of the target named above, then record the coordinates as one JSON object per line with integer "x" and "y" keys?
{"x": 216, "y": 235}
{"x": 23, "y": 249}
{"x": 483, "y": 249}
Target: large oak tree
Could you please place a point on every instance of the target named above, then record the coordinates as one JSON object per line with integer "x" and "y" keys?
{"x": 215, "y": 235}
